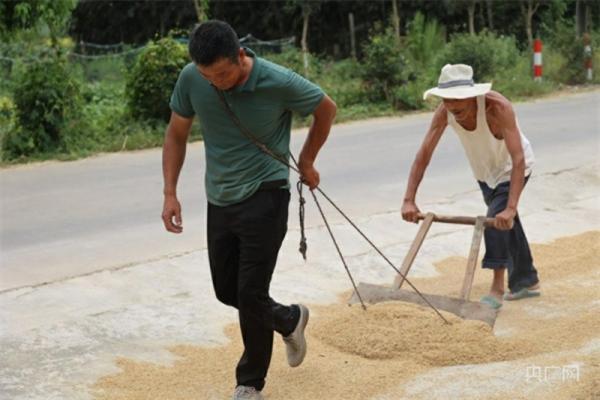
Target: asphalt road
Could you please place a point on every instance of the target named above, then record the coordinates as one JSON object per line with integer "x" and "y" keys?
{"x": 65, "y": 219}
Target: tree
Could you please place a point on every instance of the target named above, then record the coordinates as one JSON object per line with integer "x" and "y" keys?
{"x": 132, "y": 21}
{"x": 396, "y": 19}
{"x": 583, "y": 15}
{"x": 471, "y": 11}
{"x": 384, "y": 66}
{"x": 528, "y": 9}
{"x": 201, "y": 7}
{"x": 490, "y": 14}
{"x": 424, "y": 40}
{"x": 307, "y": 8}
{"x": 19, "y": 15}
{"x": 304, "y": 42}
{"x": 459, "y": 6}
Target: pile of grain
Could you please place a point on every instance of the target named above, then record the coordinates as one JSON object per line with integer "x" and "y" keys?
{"x": 411, "y": 332}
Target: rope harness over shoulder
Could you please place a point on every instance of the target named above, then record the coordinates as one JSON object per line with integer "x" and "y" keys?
{"x": 299, "y": 185}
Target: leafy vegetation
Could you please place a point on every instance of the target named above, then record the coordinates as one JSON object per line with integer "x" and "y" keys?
{"x": 62, "y": 99}
{"x": 46, "y": 95}
{"x": 152, "y": 78}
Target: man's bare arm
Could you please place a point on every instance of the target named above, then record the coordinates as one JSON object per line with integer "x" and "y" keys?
{"x": 174, "y": 148}
{"x": 323, "y": 117}
{"x": 512, "y": 137}
{"x": 422, "y": 159}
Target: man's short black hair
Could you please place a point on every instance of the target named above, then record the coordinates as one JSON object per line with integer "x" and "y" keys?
{"x": 213, "y": 40}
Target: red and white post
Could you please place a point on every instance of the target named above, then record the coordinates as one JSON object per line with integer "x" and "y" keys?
{"x": 587, "y": 55}
{"x": 537, "y": 60}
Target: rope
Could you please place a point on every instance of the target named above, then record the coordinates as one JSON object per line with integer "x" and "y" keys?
{"x": 108, "y": 55}
{"x": 337, "y": 247}
{"x": 101, "y": 46}
{"x": 249, "y": 39}
{"x": 75, "y": 55}
{"x": 303, "y": 246}
{"x": 295, "y": 168}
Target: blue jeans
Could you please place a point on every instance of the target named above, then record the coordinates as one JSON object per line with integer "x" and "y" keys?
{"x": 507, "y": 249}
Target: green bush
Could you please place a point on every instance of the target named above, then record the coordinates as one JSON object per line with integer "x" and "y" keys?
{"x": 487, "y": 53}
{"x": 410, "y": 95}
{"x": 596, "y": 56}
{"x": 424, "y": 40}
{"x": 96, "y": 125}
{"x": 565, "y": 42}
{"x": 110, "y": 69}
{"x": 7, "y": 111}
{"x": 6, "y": 79}
{"x": 363, "y": 111}
{"x": 46, "y": 94}
{"x": 517, "y": 82}
{"x": 341, "y": 80}
{"x": 293, "y": 59}
{"x": 7, "y": 119}
{"x": 554, "y": 62}
{"x": 152, "y": 78}
{"x": 384, "y": 66}
{"x": 109, "y": 127}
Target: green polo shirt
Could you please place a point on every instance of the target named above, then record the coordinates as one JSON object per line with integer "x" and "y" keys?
{"x": 235, "y": 167}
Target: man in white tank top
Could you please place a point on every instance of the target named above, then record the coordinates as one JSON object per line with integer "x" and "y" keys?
{"x": 501, "y": 159}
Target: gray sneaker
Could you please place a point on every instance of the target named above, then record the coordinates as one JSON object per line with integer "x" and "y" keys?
{"x": 295, "y": 343}
{"x": 247, "y": 393}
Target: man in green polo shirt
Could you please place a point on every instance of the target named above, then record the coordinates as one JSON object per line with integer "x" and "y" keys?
{"x": 247, "y": 190}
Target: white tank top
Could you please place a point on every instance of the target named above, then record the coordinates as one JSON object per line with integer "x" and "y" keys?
{"x": 489, "y": 158}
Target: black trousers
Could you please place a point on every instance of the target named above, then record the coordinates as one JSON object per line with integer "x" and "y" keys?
{"x": 243, "y": 243}
{"x": 507, "y": 249}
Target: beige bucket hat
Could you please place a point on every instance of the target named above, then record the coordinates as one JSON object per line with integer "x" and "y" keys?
{"x": 456, "y": 82}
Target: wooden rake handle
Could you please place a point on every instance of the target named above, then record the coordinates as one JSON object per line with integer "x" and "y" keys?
{"x": 488, "y": 222}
